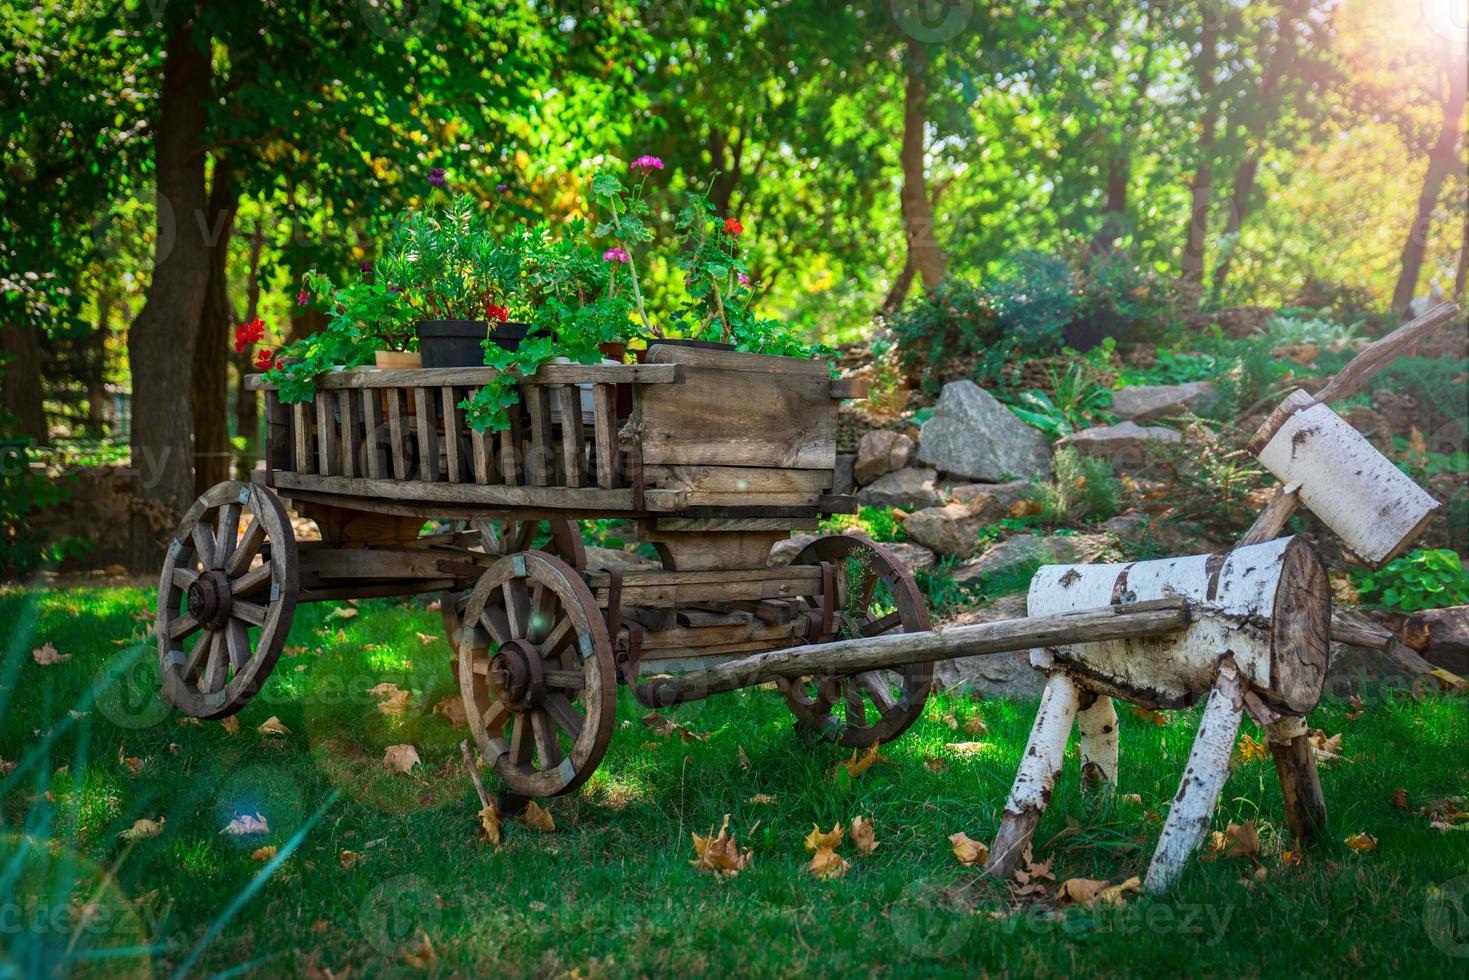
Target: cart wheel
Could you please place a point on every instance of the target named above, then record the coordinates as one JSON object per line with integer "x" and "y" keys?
{"x": 541, "y": 696}
{"x": 233, "y": 591}
{"x": 506, "y": 537}
{"x": 876, "y": 595}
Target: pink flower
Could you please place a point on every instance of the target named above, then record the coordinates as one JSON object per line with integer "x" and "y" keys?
{"x": 744, "y": 279}
{"x": 301, "y": 297}
{"x": 646, "y": 163}
{"x": 616, "y": 254}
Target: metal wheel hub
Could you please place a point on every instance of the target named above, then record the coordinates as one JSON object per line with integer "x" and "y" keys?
{"x": 517, "y": 676}
{"x": 210, "y": 599}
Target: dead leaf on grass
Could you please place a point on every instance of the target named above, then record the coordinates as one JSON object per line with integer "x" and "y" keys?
{"x": 863, "y": 835}
{"x": 1362, "y": 842}
{"x": 1400, "y": 798}
{"x": 46, "y": 655}
{"x": 1237, "y": 840}
{"x": 1326, "y": 750}
{"x": 1148, "y": 715}
{"x": 820, "y": 839}
{"x": 826, "y": 864}
{"x": 143, "y": 829}
{"x": 934, "y": 764}
{"x": 857, "y": 765}
{"x": 719, "y": 853}
{"x": 1250, "y": 750}
{"x": 966, "y": 748}
{"x": 342, "y": 612}
{"x": 392, "y": 699}
{"x": 264, "y": 854}
{"x": 401, "y": 758}
{"x": 453, "y": 711}
{"x": 231, "y": 725}
{"x": 347, "y": 859}
{"x": 665, "y": 727}
{"x": 245, "y": 825}
{"x": 489, "y": 822}
{"x": 537, "y": 818}
{"x": 975, "y": 726}
{"x": 970, "y": 852}
{"x": 422, "y": 955}
{"x": 273, "y": 726}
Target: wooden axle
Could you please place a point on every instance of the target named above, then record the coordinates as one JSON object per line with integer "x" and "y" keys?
{"x": 855, "y": 656}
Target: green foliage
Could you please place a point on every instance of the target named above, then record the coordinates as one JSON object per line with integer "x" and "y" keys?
{"x": 1084, "y": 488}
{"x": 23, "y": 494}
{"x": 1035, "y": 299}
{"x": 878, "y": 523}
{"x": 1292, "y": 328}
{"x": 1424, "y": 579}
{"x": 1438, "y": 386}
{"x": 1078, "y": 400}
{"x": 950, "y": 321}
{"x": 942, "y": 593}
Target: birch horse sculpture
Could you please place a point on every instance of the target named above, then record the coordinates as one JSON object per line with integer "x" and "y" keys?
{"x": 1257, "y": 643}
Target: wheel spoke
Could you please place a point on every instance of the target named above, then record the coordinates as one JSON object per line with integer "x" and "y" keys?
{"x": 856, "y": 707}
{"x": 197, "y": 655}
{"x": 238, "y": 639}
{"x": 248, "y": 611}
{"x": 492, "y": 535}
{"x": 217, "y": 672}
{"x": 543, "y": 604}
{"x": 564, "y": 713}
{"x": 521, "y": 741}
{"x": 570, "y": 680}
{"x": 183, "y": 577}
{"x": 879, "y": 626}
{"x": 497, "y": 624}
{"x": 203, "y": 536}
{"x": 226, "y": 533}
{"x": 548, "y": 746}
{"x": 247, "y": 548}
{"x": 877, "y": 688}
{"x": 495, "y": 716}
{"x": 517, "y": 607}
{"x": 251, "y": 580}
{"x": 558, "y": 639}
{"x": 182, "y": 627}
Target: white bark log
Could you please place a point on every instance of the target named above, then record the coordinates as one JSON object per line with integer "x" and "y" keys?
{"x": 1040, "y": 764}
{"x": 1373, "y": 506}
{"x": 1203, "y": 779}
{"x": 1097, "y": 723}
{"x": 1238, "y": 597}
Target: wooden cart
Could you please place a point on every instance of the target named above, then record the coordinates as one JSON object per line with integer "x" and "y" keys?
{"x": 715, "y": 455}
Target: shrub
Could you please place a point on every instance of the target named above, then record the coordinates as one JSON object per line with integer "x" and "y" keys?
{"x": 954, "y": 320}
{"x": 1036, "y": 300}
{"x": 1083, "y": 487}
{"x": 1122, "y": 299}
{"x": 1426, "y": 579}
{"x": 878, "y": 523}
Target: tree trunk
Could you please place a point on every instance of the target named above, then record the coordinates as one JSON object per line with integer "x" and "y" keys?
{"x": 1114, "y": 208}
{"x": 1239, "y": 206}
{"x": 918, "y": 221}
{"x": 247, "y": 402}
{"x": 1201, "y": 191}
{"x": 893, "y": 301}
{"x": 1443, "y": 160}
{"x": 161, "y": 341}
{"x": 21, "y": 374}
{"x": 212, "y": 448}
{"x": 1462, "y": 271}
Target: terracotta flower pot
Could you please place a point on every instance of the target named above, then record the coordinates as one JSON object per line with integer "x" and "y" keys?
{"x": 397, "y": 359}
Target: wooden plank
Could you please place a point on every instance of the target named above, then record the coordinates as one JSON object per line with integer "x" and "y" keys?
{"x": 737, "y": 417}
{"x": 682, "y": 638}
{"x": 479, "y": 446}
{"x": 384, "y": 563}
{"x": 548, "y": 499}
{"x": 677, "y": 596}
{"x": 808, "y": 575}
{"x": 301, "y": 426}
{"x": 428, "y": 436}
{"x": 541, "y": 456}
{"x": 727, "y": 360}
{"x": 277, "y": 433}
{"x": 475, "y": 377}
{"x": 573, "y": 439}
{"x": 737, "y": 523}
{"x": 372, "y": 414}
{"x": 396, "y": 433}
{"x": 849, "y": 387}
{"x": 604, "y": 433}
{"x": 348, "y": 408}
{"x": 326, "y": 435}
{"x": 508, "y": 441}
{"x": 743, "y": 486}
{"x": 452, "y": 434}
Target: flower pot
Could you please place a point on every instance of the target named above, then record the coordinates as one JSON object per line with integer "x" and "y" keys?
{"x": 700, "y": 344}
{"x": 397, "y": 359}
{"x": 614, "y": 350}
{"x": 452, "y": 343}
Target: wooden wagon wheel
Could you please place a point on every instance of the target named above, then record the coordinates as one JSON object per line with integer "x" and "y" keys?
{"x": 233, "y": 591}
{"x": 876, "y": 595}
{"x": 542, "y": 697}
{"x": 506, "y": 537}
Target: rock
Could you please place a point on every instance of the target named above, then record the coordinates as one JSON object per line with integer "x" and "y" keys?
{"x": 1448, "y": 637}
{"x": 952, "y": 529}
{"x": 614, "y": 559}
{"x": 1130, "y": 523}
{"x": 1124, "y": 444}
{"x": 1144, "y": 403}
{"x": 1019, "y": 557}
{"x": 991, "y": 501}
{"x": 996, "y": 674}
{"x": 907, "y": 488}
{"x": 973, "y": 436}
{"x": 1358, "y": 670}
{"x": 843, "y": 478}
{"x": 881, "y": 451}
{"x": 914, "y": 557}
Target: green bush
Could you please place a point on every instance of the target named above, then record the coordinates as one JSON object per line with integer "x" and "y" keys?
{"x": 1426, "y": 579}
{"x": 1083, "y": 488}
{"x": 878, "y": 523}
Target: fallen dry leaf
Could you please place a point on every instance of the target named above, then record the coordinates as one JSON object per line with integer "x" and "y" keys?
{"x": 975, "y": 726}
{"x": 1080, "y": 891}
{"x": 863, "y": 835}
{"x": 1326, "y": 750}
{"x": 744, "y": 759}
{"x": 1031, "y": 878}
{"x": 1362, "y": 842}
{"x": 342, "y": 612}
{"x": 347, "y": 859}
{"x": 966, "y": 748}
{"x": 1148, "y": 714}
{"x": 1250, "y": 750}
{"x": 46, "y": 655}
{"x": 537, "y": 818}
{"x": 263, "y": 854}
{"x": 857, "y": 765}
{"x": 969, "y": 852}
{"x": 1131, "y": 798}
{"x": 1237, "y": 840}
{"x": 819, "y": 840}
{"x": 719, "y": 853}
{"x": 1400, "y": 798}
{"x": 1356, "y": 704}
{"x": 489, "y": 822}
{"x": 246, "y": 824}
{"x": 453, "y": 711}
{"x": 934, "y": 764}
{"x": 231, "y": 725}
{"x": 826, "y": 864}
{"x": 320, "y": 925}
{"x": 142, "y": 829}
{"x": 664, "y": 726}
{"x": 392, "y": 699}
{"x": 134, "y": 764}
{"x": 425, "y": 638}
{"x": 423, "y": 955}
{"x": 762, "y": 799}
{"x": 401, "y": 758}
{"x": 273, "y": 726}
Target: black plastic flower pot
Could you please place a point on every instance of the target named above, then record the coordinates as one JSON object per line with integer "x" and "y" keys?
{"x": 459, "y": 343}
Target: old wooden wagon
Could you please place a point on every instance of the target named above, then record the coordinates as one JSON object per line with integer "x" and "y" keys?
{"x": 715, "y": 455}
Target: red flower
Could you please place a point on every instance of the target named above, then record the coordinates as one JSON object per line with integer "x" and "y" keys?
{"x": 248, "y": 333}
{"x": 732, "y": 226}
{"x": 301, "y": 298}
{"x": 493, "y": 312}
{"x": 264, "y": 359}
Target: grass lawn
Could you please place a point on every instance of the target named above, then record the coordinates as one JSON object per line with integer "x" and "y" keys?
{"x": 370, "y": 863}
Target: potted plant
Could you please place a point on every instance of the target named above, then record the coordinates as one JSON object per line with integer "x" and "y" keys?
{"x": 459, "y": 279}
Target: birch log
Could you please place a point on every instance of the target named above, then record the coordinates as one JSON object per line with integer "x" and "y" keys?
{"x": 1203, "y": 778}
{"x": 1096, "y": 723}
{"x": 1269, "y": 605}
{"x": 1040, "y": 764}
{"x": 1300, "y": 783}
{"x": 1374, "y": 507}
